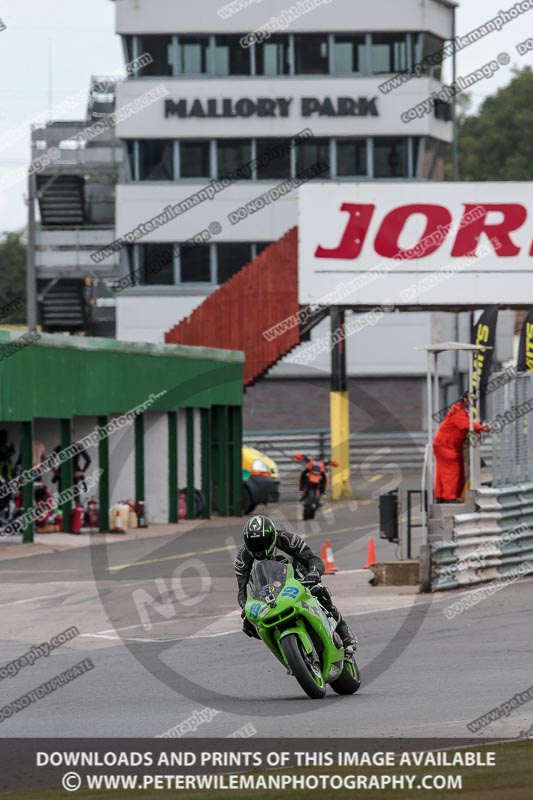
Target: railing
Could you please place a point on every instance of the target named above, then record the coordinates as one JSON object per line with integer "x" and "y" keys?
{"x": 389, "y": 451}
{"x": 71, "y": 248}
{"x": 107, "y": 156}
{"x": 510, "y": 409}
{"x": 71, "y": 259}
{"x": 44, "y": 137}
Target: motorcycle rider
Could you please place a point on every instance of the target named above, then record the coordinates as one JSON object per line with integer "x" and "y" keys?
{"x": 261, "y": 539}
{"x": 304, "y": 478}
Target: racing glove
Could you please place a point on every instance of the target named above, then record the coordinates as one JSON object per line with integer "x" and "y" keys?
{"x": 311, "y": 579}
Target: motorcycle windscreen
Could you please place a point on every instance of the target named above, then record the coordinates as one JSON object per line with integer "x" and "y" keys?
{"x": 268, "y": 578}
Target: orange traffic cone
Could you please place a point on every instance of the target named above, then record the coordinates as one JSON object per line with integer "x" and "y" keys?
{"x": 326, "y": 554}
{"x": 371, "y": 554}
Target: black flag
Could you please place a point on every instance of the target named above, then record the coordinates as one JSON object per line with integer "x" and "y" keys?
{"x": 524, "y": 362}
{"x": 484, "y": 333}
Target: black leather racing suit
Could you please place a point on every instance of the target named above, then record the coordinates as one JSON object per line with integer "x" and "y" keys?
{"x": 303, "y": 561}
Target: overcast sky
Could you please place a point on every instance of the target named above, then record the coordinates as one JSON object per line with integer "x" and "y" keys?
{"x": 80, "y": 38}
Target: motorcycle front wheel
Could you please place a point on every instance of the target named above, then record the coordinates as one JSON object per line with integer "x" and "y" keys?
{"x": 310, "y": 505}
{"x": 308, "y": 676}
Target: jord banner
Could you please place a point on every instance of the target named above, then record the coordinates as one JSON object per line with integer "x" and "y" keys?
{"x": 426, "y": 245}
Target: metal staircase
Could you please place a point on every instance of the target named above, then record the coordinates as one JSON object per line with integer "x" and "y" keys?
{"x": 61, "y": 200}
{"x": 62, "y": 307}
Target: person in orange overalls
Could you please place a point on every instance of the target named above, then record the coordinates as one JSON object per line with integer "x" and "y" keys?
{"x": 448, "y": 450}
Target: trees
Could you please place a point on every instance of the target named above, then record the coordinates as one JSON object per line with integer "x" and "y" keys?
{"x": 496, "y": 144}
{"x": 12, "y": 277}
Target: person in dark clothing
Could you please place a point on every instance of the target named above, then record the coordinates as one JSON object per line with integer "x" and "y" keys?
{"x": 261, "y": 539}
{"x": 6, "y": 454}
{"x": 78, "y": 469}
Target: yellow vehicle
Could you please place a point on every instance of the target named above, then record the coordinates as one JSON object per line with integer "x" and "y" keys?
{"x": 260, "y": 478}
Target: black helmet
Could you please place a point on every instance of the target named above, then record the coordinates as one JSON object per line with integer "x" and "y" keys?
{"x": 260, "y": 536}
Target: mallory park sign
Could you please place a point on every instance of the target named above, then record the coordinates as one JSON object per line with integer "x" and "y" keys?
{"x": 226, "y": 108}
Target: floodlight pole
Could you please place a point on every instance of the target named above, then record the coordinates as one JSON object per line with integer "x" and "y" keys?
{"x": 31, "y": 282}
{"x": 455, "y": 142}
{"x": 473, "y": 449}
{"x": 430, "y": 433}
{"x": 436, "y": 392}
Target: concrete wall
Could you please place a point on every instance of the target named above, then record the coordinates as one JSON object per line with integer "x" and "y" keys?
{"x": 182, "y": 449}
{"x": 122, "y": 464}
{"x": 156, "y": 465}
{"x": 147, "y": 318}
{"x": 387, "y": 348}
{"x": 164, "y": 16}
{"x": 377, "y": 405}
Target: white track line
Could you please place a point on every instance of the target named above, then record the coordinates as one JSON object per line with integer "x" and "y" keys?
{"x": 32, "y": 599}
{"x": 112, "y": 633}
{"x": 169, "y": 639}
{"x": 153, "y": 624}
{"x": 38, "y": 571}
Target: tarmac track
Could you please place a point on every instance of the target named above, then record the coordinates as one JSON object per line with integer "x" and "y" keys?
{"x": 158, "y": 620}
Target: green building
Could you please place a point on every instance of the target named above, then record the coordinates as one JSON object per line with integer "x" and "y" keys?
{"x": 153, "y": 418}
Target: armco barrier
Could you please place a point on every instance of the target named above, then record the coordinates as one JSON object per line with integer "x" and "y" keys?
{"x": 492, "y": 542}
{"x": 386, "y": 452}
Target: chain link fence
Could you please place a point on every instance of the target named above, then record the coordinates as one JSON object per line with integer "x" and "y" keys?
{"x": 510, "y": 409}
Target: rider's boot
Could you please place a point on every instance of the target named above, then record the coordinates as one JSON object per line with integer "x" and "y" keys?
{"x": 349, "y": 639}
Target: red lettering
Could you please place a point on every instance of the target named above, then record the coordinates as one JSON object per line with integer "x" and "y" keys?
{"x": 438, "y": 220}
{"x": 354, "y": 234}
{"x": 467, "y": 240}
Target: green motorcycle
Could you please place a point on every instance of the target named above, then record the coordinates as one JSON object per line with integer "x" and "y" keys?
{"x": 298, "y": 630}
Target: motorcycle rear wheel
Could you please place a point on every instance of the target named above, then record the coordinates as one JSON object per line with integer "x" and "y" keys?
{"x": 349, "y": 680}
{"x": 311, "y": 682}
